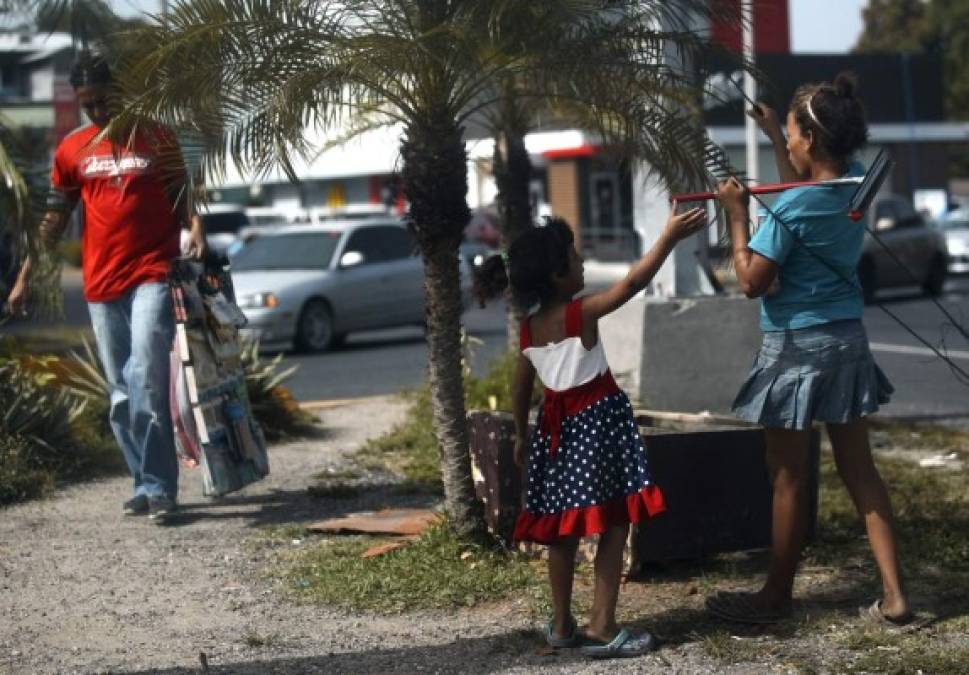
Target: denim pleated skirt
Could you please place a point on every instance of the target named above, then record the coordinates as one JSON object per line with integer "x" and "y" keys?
{"x": 823, "y": 373}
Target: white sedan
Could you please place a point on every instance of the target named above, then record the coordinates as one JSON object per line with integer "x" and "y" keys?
{"x": 314, "y": 284}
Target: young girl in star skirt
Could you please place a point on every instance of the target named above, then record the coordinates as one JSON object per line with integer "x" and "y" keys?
{"x": 587, "y": 469}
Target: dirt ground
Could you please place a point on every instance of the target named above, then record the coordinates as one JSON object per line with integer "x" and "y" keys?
{"x": 85, "y": 590}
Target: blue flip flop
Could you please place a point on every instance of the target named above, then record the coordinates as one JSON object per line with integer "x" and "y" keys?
{"x": 556, "y": 642}
{"x": 624, "y": 646}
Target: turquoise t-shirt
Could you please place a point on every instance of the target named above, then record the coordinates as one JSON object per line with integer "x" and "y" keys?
{"x": 810, "y": 292}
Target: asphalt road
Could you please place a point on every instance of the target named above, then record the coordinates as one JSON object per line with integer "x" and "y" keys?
{"x": 388, "y": 361}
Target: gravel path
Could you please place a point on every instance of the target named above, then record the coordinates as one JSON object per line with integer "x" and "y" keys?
{"x": 85, "y": 590}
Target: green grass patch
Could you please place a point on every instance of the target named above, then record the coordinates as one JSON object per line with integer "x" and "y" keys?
{"x": 728, "y": 648}
{"x": 913, "y": 656}
{"x": 865, "y": 639}
{"x": 256, "y": 640}
{"x": 437, "y": 571}
{"x": 838, "y": 574}
{"x": 932, "y": 516}
{"x": 923, "y": 436}
{"x": 411, "y": 450}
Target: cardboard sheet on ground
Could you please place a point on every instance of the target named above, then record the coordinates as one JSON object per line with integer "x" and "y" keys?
{"x": 400, "y": 522}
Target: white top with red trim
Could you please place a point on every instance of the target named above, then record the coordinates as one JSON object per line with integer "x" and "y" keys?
{"x": 566, "y": 364}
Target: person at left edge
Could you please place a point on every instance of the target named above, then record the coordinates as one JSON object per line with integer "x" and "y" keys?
{"x": 134, "y": 204}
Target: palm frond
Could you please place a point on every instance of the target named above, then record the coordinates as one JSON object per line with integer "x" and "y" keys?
{"x": 23, "y": 184}
{"x": 630, "y": 72}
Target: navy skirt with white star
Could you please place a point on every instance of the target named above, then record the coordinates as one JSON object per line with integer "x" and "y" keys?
{"x": 598, "y": 477}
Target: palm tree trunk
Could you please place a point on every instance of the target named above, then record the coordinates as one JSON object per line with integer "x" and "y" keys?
{"x": 435, "y": 182}
{"x": 513, "y": 172}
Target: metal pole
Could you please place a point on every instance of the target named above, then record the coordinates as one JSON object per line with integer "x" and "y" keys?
{"x": 750, "y": 91}
{"x": 913, "y": 157}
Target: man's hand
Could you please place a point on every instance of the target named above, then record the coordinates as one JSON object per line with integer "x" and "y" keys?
{"x": 197, "y": 245}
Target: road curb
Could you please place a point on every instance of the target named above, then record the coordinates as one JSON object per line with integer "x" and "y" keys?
{"x": 337, "y": 402}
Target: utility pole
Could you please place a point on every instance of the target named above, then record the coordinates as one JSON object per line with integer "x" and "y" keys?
{"x": 750, "y": 94}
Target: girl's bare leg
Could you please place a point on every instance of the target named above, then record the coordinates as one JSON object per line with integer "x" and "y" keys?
{"x": 788, "y": 459}
{"x": 561, "y": 570}
{"x": 852, "y": 455}
{"x": 608, "y": 574}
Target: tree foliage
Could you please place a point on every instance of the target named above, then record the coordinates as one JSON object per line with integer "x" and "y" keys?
{"x": 250, "y": 81}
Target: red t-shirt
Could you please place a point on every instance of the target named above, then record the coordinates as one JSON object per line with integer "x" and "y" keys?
{"x": 131, "y": 232}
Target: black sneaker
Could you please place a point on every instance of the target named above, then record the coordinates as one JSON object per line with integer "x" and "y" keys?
{"x": 136, "y": 506}
{"x": 160, "y": 507}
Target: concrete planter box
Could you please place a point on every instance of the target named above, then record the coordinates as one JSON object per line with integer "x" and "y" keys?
{"x": 718, "y": 492}
{"x": 682, "y": 354}
{"x": 714, "y": 479}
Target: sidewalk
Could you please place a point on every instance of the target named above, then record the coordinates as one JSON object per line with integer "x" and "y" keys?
{"x": 85, "y": 590}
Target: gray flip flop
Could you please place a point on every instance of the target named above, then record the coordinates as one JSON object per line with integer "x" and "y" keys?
{"x": 873, "y": 615}
{"x": 624, "y": 646}
{"x": 556, "y": 642}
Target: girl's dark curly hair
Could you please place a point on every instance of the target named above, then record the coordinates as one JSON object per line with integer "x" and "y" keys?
{"x": 534, "y": 259}
{"x": 832, "y": 112}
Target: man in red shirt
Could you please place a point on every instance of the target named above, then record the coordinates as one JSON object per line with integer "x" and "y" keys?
{"x": 134, "y": 208}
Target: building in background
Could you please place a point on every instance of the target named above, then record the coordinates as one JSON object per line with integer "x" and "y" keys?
{"x": 34, "y": 89}
{"x": 903, "y": 98}
{"x": 614, "y": 211}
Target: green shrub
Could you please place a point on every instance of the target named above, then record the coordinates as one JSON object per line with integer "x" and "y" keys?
{"x": 495, "y": 387}
{"x": 277, "y": 412}
{"x": 47, "y": 434}
{"x": 272, "y": 404}
{"x": 20, "y": 478}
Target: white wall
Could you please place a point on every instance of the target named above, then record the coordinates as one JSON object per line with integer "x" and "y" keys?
{"x": 42, "y": 83}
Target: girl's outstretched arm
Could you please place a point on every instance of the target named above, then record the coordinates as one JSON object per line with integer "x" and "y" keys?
{"x": 766, "y": 119}
{"x": 521, "y": 395}
{"x": 678, "y": 226}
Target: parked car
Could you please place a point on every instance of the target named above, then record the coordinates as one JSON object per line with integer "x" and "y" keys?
{"x": 271, "y": 215}
{"x": 904, "y": 232}
{"x": 323, "y": 214}
{"x": 223, "y": 222}
{"x": 314, "y": 284}
{"x": 954, "y": 227}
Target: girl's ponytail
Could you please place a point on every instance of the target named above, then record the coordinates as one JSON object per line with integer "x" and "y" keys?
{"x": 490, "y": 280}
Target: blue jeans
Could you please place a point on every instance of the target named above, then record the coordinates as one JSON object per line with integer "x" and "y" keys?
{"x": 134, "y": 335}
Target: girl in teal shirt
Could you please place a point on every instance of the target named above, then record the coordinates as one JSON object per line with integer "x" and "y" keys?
{"x": 815, "y": 363}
